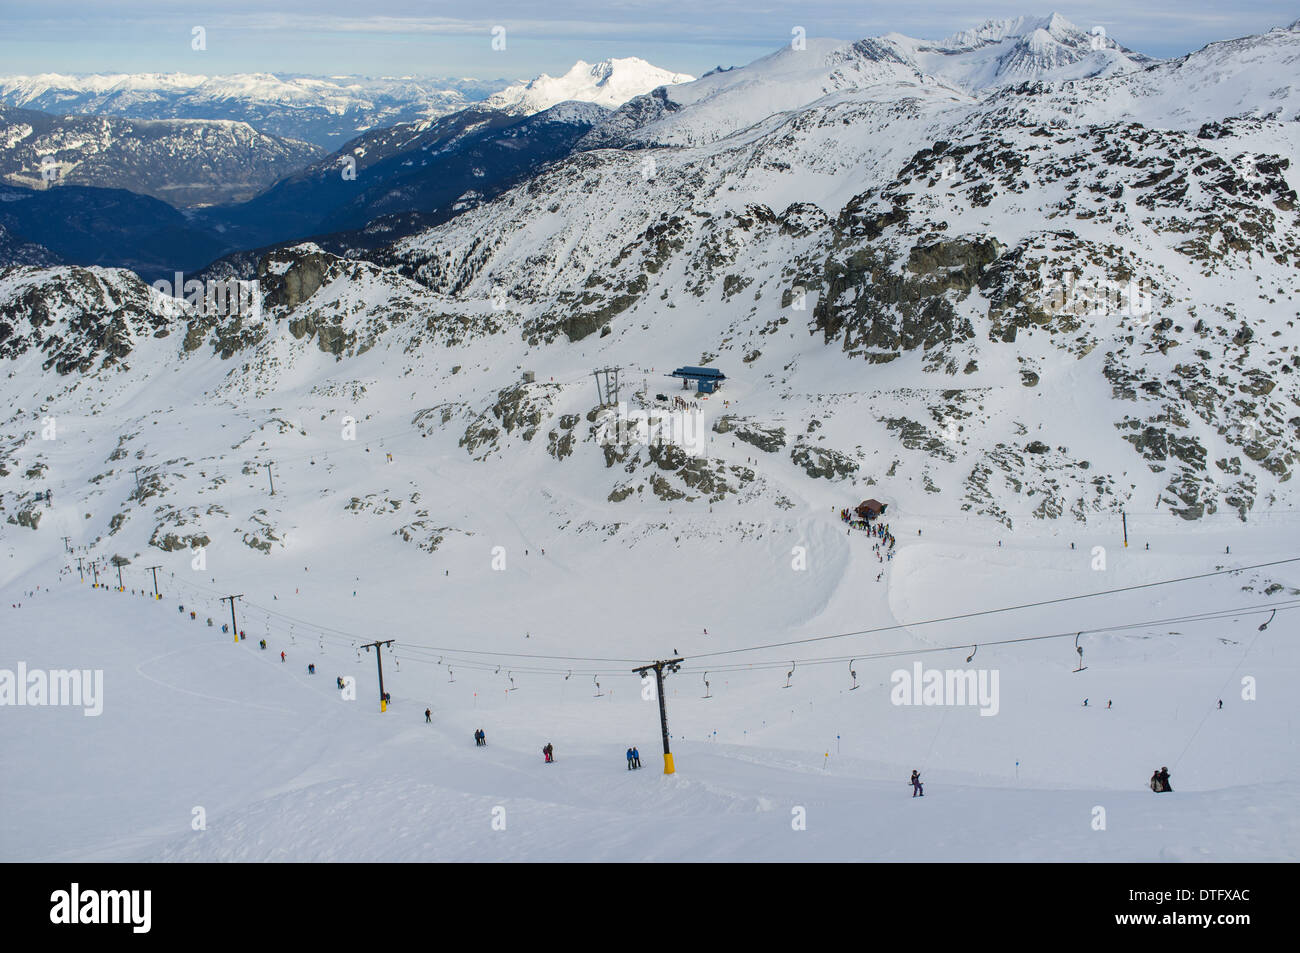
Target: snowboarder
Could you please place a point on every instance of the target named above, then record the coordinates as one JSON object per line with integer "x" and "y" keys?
{"x": 917, "y": 789}
{"x": 636, "y": 757}
{"x": 629, "y": 759}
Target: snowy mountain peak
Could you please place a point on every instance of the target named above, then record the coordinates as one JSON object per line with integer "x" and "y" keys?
{"x": 1054, "y": 26}
{"x": 609, "y": 83}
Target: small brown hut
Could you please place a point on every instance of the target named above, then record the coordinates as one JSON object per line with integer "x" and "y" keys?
{"x": 870, "y": 509}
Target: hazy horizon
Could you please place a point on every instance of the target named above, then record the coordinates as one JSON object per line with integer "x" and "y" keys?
{"x": 401, "y": 38}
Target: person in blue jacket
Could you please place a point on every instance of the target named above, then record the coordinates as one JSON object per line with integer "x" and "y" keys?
{"x": 629, "y": 759}
{"x": 636, "y": 757}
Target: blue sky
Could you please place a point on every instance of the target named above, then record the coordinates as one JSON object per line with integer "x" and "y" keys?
{"x": 453, "y": 37}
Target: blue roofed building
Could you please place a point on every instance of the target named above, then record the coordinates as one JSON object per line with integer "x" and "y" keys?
{"x": 707, "y": 379}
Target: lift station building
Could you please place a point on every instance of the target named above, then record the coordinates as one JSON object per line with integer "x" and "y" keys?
{"x": 707, "y": 379}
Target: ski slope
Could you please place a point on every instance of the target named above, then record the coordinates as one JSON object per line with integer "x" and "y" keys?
{"x": 284, "y": 769}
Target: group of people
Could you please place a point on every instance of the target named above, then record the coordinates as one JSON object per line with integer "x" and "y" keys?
{"x": 854, "y": 520}
{"x": 548, "y": 752}
{"x": 480, "y": 737}
{"x": 1160, "y": 781}
{"x": 633, "y": 758}
{"x": 879, "y": 531}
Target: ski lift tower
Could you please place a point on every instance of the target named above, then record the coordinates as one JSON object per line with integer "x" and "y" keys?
{"x": 607, "y": 386}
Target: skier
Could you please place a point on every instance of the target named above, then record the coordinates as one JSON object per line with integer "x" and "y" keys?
{"x": 629, "y": 759}
{"x": 281, "y": 656}
{"x": 917, "y": 789}
{"x": 1155, "y": 782}
{"x": 1085, "y": 703}
{"x": 1108, "y": 703}
{"x": 428, "y": 716}
{"x": 1220, "y": 704}
{"x": 636, "y": 757}
{"x": 1164, "y": 780}
{"x": 482, "y": 737}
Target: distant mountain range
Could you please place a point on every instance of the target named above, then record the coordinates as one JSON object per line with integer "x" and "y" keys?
{"x": 184, "y": 162}
{"x": 392, "y": 179}
{"x": 326, "y": 111}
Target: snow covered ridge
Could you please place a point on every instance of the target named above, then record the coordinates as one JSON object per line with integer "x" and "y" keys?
{"x": 609, "y": 83}
{"x": 971, "y": 64}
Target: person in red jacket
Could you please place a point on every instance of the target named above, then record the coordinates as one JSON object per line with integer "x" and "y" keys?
{"x": 281, "y": 656}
